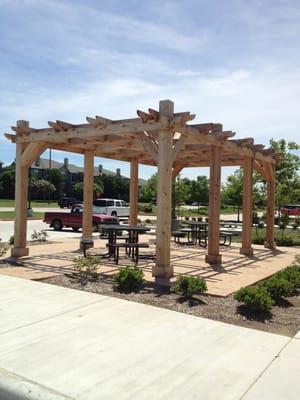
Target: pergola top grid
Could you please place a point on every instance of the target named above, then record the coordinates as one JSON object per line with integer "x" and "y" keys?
{"x": 137, "y": 138}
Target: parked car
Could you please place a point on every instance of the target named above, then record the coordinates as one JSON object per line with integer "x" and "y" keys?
{"x": 115, "y": 207}
{"x": 290, "y": 209}
{"x": 68, "y": 202}
{"x": 73, "y": 219}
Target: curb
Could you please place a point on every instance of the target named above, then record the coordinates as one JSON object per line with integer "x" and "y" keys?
{"x": 14, "y": 387}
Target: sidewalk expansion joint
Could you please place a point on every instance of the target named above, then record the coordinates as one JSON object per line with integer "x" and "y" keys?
{"x": 17, "y": 386}
{"x": 266, "y": 368}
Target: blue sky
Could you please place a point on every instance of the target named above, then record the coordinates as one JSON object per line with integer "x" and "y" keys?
{"x": 234, "y": 62}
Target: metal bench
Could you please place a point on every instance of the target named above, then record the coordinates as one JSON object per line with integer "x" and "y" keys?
{"x": 226, "y": 236}
{"x": 177, "y": 235}
{"x": 133, "y": 248}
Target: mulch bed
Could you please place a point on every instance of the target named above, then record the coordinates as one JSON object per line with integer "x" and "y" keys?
{"x": 284, "y": 319}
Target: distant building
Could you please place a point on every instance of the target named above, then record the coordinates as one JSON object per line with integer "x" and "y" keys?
{"x": 71, "y": 172}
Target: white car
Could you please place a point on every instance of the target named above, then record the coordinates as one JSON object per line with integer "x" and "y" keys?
{"x": 115, "y": 207}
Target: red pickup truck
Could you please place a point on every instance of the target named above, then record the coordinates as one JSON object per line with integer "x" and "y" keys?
{"x": 73, "y": 219}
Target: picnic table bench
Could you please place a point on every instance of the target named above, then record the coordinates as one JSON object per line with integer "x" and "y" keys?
{"x": 131, "y": 248}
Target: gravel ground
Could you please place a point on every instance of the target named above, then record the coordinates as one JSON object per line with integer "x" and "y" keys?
{"x": 284, "y": 318}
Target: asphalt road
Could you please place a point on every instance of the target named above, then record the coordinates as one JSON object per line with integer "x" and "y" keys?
{"x": 7, "y": 227}
{"x": 7, "y": 230}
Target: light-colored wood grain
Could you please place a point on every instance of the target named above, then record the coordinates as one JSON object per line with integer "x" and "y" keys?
{"x": 88, "y": 183}
{"x": 247, "y": 207}
{"x": 163, "y": 269}
{"x": 270, "y": 243}
{"x": 21, "y": 194}
{"x": 133, "y": 196}
{"x": 213, "y": 256}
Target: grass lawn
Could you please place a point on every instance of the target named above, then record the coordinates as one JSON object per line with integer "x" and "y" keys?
{"x": 35, "y": 203}
{"x": 261, "y": 234}
{"x": 188, "y": 212}
{"x": 11, "y": 214}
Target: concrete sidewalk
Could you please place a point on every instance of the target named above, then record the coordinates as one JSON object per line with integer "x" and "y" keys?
{"x": 58, "y": 343}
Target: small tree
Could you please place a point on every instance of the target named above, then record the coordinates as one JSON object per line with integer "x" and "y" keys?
{"x": 199, "y": 190}
{"x": 41, "y": 188}
{"x": 232, "y": 192}
{"x": 78, "y": 190}
{"x": 284, "y": 221}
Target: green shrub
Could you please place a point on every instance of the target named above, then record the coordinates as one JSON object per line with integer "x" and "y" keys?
{"x": 11, "y": 240}
{"x": 285, "y": 241}
{"x": 291, "y": 274}
{"x": 145, "y": 208}
{"x": 258, "y": 240}
{"x": 278, "y": 287}
{"x": 87, "y": 267}
{"x": 188, "y": 286}
{"x": 129, "y": 279}
{"x": 255, "y": 298}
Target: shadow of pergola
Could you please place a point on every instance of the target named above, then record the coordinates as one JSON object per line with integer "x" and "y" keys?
{"x": 186, "y": 260}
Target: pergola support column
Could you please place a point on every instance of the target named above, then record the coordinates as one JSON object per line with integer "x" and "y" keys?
{"x": 214, "y": 257}
{"x": 21, "y": 194}
{"x": 163, "y": 268}
{"x": 247, "y": 207}
{"x": 88, "y": 185}
{"x": 270, "y": 242}
{"x": 133, "y": 197}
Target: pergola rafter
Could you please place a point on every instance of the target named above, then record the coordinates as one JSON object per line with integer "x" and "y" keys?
{"x": 157, "y": 137}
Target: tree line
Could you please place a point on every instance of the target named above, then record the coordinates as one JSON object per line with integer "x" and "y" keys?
{"x": 51, "y": 184}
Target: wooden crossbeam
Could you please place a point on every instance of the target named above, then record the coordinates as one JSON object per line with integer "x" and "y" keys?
{"x": 177, "y": 147}
{"x": 144, "y": 116}
{"x": 61, "y": 125}
{"x": 10, "y": 137}
{"x": 258, "y": 147}
{"x": 149, "y": 145}
{"x": 207, "y": 127}
{"x": 22, "y": 128}
{"x": 177, "y": 167}
{"x": 85, "y": 131}
{"x": 259, "y": 168}
{"x": 98, "y": 121}
{"x": 269, "y": 171}
{"x": 31, "y": 153}
{"x": 139, "y": 134}
{"x": 244, "y": 142}
{"x": 154, "y": 114}
{"x": 227, "y": 134}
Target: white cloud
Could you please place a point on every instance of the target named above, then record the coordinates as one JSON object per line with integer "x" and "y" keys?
{"x": 65, "y": 60}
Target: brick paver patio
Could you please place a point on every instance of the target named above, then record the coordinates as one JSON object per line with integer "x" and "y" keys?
{"x": 237, "y": 270}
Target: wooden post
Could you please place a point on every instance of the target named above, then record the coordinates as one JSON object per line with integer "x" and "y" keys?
{"x": 21, "y": 194}
{"x": 247, "y": 207}
{"x": 213, "y": 256}
{"x": 88, "y": 184}
{"x": 270, "y": 243}
{"x": 133, "y": 198}
{"x": 163, "y": 269}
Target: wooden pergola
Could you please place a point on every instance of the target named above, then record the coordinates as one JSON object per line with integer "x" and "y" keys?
{"x": 158, "y": 138}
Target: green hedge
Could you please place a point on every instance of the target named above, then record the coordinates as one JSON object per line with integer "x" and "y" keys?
{"x": 129, "y": 279}
{"x": 255, "y": 298}
{"x": 188, "y": 286}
